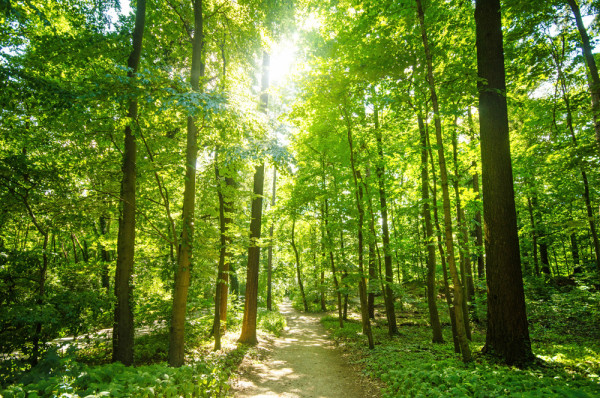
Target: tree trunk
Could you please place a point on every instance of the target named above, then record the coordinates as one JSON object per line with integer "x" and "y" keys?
{"x": 507, "y": 332}
{"x": 184, "y": 253}
{"x": 594, "y": 80}
{"x": 464, "y": 253}
{"x": 440, "y": 246}
{"x": 331, "y": 256}
{"x": 434, "y": 318}
{"x": 270, "y": 252}
{"x": 586, "y": 185}
{"x": 298, "y": 273}
{"x": 372, "y": 271}
{"x": 387, "y": 257}
{"x": 458, "y": 296}
{"x": 533, "y": 237}
{"x": 104, "y": 254}
{"x": 362, "y": 284}
{"x": 122, "y": 338}
{"x": 248, "y": 335}
{"x": 223, "y": 268}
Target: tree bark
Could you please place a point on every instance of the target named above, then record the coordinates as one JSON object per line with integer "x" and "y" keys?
{"x": 184, "y": 254}
{"x": 594, "y": 79}
{"x": 436, "y": 218}
{"x": 122, "y": 339}
{"x": 458, "y": 296}
{"x": 434, "y": 318}
{"x": 387, "y": 257}
{"x": 248, "y": 335}
{"x": 298, "y": 273}
{"x": 362, "y": 284}
{"x": 507, "y": 333}
{"x": 270, "y": 251}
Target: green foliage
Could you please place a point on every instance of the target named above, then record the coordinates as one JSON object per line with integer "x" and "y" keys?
{"x": 271, "y": 321}
{"x": 411, "y": 366}
{"x": 61, "y": 376}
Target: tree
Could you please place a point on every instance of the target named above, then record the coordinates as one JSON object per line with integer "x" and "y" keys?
{"x": 184, "y": 253}
{"x": 123, "y": 318}
{"x": 458, "y": 292}
{"x": 248, "y": 335}
{"x": 507, "y": 332}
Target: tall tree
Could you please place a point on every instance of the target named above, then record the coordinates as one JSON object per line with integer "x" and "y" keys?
{"x": 387, "y": 253}
{"x": 434, "y": 318}
{"x": 123, "y": 317}
{"x": 507, "y": 332}
{"x": 270, "y": 252}
{"x": 458, "y": 291}
{"x": 248, "y": 335}
{"x": 594, "y": 79}
{"x": 184, "y": 254}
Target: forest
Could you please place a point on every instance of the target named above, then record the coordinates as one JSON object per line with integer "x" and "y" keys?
{"x": 424, "y": 175}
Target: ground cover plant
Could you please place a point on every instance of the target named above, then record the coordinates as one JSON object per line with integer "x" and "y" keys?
{"x": 410, "y": 365}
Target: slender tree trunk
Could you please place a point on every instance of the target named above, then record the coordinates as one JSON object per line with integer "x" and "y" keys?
{"x": 458, "y": 296}
{"x": 270, "y": 251}
{"x": 594, "y": 80}
{"x": 123, "y": 316}
{"x": 464, "y": 253}
{"x": 104, "y": 254}
{"x": 362, "y": 285}
{"x": 434, "y": 318}
{"x": 389, "y": 273}
{"x": 184, "y": 254}
{"x": 344, "y": 276}
{"x": 35, "y": 354}
{"x": 223, "y": 268}
{"x": 586, "y": 185}
{"x": 447, "y": 292}
{"x": 507, "y": 332}
{"x": 332, "y": 258}
{"x": 372, "y": 271}
{"x": 298, "y": 273}
{"x": 533, "y": 237}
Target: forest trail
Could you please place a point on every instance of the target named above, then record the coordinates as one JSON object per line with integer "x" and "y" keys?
{"x": 303, "y": 362}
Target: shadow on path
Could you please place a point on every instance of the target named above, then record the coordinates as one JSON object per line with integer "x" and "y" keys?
{"x": 302, "y": 363}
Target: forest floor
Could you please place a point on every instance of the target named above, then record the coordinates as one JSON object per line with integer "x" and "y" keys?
{"x": 302, "y": 362}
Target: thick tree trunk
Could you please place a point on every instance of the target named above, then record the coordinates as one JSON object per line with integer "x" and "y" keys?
{"x": 389, "y": 273}
{"x": 594, "y": 80}
{"x": 507, "y": 332}
{"x": 248, "y": 335}
{"x": 458, "y": 296}
{"x": 434, "y": 318}
{"x": 123, "y": 316}
{"x": 184, "y": 254}
{"x": 270, "y": 251}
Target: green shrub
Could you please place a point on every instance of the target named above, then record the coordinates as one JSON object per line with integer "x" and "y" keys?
{"x": 271, "y": 321}
{"x": 65, "y": 377}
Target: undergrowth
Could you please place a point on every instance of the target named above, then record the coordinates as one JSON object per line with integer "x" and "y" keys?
{"x": 86, "y": 372}
{"x": 410, "y": 365}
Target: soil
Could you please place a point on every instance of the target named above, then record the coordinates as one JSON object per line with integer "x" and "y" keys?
{"x": 303, "y": 362}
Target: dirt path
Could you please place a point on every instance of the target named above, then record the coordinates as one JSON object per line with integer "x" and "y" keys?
{"x": 301, "y": 363}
